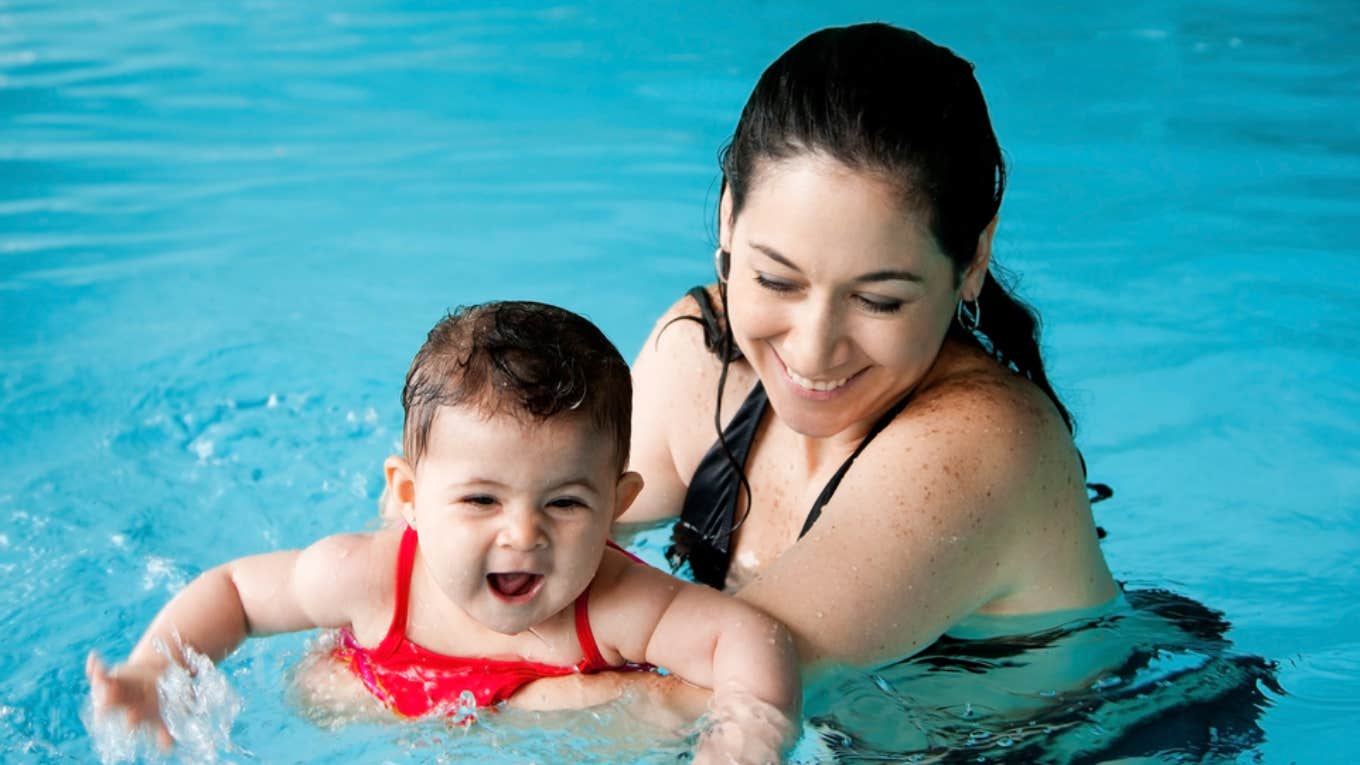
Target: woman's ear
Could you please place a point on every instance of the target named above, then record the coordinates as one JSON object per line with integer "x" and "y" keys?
{"x": 977, "y": 270}
{"x": 627, "y": 489}
{"x": 401, "y": 487}
{"x": 725, "y": 218}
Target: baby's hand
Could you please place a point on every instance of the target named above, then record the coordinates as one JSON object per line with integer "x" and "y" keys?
{"x": 131, "y": 689}
{"x": 744, "y": 731}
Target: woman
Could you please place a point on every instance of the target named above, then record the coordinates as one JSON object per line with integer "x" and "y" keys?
{"x": 893, "y": 460}
{"x": 893, "y": 471}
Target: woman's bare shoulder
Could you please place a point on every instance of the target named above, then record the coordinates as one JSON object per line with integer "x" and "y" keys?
{"x": 980, "y": 407}
{"x": 680, "y": 341}
{"x": 981, "y": 448}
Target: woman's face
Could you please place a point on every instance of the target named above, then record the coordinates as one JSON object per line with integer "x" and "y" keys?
{"x": 838, "y": 295}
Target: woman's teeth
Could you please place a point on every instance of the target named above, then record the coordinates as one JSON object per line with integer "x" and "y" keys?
{"x": 818, "y": 385}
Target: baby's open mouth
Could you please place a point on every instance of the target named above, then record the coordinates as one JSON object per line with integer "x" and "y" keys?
{"x": 514, "y": 586}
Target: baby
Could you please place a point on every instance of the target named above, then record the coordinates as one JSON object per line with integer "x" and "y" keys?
{"x": 516, "y": 441}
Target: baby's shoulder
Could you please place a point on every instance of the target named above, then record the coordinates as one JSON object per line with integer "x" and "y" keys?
{"x": 627, "y": 599}
{"x": 355, "y": 570}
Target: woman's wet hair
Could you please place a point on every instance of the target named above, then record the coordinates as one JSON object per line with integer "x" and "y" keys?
{"x": 888, "y": 102}
{"x": 532, "y": 361}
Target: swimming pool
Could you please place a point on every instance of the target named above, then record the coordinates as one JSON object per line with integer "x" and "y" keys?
{"x": 224, "y": 231}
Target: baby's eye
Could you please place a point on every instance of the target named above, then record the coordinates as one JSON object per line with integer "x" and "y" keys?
{"x": 567, "y": 503}
{"x": 484, "y": 500}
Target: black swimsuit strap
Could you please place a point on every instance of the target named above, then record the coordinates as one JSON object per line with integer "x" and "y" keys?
{"x": 831, "y": 486}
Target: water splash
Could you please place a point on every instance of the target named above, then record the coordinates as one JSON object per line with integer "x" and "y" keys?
{"x": 465, "y": 713}
{"x": 198, "y": 706}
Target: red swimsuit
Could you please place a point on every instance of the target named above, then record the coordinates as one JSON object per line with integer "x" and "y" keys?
{"x": 414, "y": 681}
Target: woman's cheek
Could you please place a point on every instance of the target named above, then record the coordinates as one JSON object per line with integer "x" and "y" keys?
{"x": 754, "y": 316}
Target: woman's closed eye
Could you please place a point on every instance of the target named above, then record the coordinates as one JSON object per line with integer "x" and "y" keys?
{"x": 775, "y": 284}
{"x": 879, "y": 304}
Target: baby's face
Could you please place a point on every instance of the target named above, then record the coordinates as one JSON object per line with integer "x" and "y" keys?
{"x": 513, "y": 517}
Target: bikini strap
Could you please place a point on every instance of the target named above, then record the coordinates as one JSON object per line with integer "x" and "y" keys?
{"x": 585, "y": 636}
{"x": 406, "y": 557}
{"x": 835, "y": 481}
{"x": 593, "y": 661}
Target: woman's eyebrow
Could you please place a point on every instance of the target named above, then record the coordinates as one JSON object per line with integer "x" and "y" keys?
{"x": 873, "y": 276}
{"x": 774, "y": 255}
{"x": 889, "y": 275}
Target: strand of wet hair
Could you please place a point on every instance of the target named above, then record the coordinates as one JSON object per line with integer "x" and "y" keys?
{"x": 727, "y": 341}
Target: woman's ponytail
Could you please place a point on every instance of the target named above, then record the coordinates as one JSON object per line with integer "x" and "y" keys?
{"x": 1009, "y": 330}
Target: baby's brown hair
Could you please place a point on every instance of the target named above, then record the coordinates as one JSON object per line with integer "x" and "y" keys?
{"x": 531, "y": 360}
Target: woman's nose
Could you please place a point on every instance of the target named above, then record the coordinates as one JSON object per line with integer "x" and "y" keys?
{"x": 817, "y": 343}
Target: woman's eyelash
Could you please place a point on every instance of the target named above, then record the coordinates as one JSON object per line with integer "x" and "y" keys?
{"x": 774, "y": 285}
{"x": 870, "y": 304}
{"x": 880, "y": 306}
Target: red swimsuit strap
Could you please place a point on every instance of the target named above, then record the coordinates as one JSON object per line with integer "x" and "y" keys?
{"x": 396, "y": 632}
{"x": 594, "y": 660}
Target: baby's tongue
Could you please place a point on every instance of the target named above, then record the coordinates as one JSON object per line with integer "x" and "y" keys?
{"x": 515, "y": 583}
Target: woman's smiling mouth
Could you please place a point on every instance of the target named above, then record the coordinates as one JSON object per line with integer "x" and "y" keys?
{"x": 815, "y": 385}
{"x": 818, "y": 390}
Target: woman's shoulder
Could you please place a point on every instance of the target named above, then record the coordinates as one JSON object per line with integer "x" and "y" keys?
{"x": 688, "y": 332}
{"x": 971, "y": 393}
{"x": 986, "y": 430}
{"x": 676, "y": 374}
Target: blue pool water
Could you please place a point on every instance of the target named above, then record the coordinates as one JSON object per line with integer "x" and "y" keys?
{"x": 225, "y": 228}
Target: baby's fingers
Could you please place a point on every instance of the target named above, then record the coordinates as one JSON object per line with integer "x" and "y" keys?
{"x": 163, "y": 738}
{"x": 131, "y": 694}
{"x": 98, "y": 675}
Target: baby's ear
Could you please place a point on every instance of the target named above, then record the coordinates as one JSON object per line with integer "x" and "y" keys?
{"x": 630, "y": 483}
{"x": 401, "y": 488}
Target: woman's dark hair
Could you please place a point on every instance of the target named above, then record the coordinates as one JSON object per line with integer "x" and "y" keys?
{"x": 889, "y": 102}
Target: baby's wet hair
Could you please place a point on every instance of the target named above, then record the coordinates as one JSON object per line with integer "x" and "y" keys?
{"x": 530, "y": 360}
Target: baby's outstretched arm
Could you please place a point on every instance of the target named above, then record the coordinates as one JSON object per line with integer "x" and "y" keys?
{"x": 259, "y": 595}
{"x": 714, "y": 640}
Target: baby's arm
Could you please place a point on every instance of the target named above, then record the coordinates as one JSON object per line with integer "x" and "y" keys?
{"x": 719, "y": 642}
{"x": 259, "y": 595}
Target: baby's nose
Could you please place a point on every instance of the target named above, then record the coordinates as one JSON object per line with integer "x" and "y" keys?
{"x": 522, "y": 531}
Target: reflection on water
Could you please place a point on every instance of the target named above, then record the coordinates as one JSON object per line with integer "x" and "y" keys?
{"x": 1160, "y": 681}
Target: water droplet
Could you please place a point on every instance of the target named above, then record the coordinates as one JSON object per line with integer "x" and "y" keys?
{"x": 466, "y": 711}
